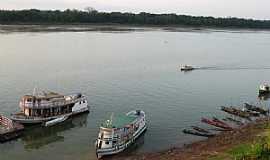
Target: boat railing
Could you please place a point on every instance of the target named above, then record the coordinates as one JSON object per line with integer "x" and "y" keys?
{"x": 43, "y": 105}
{"x": 6, "y": 122}
{"x": 108, "y": 139}
{"x": 21, "y": 116}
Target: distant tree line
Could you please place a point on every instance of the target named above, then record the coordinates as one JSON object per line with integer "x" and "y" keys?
{"x": 90, "y": 15}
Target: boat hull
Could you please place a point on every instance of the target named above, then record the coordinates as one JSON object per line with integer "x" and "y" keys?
{"x": 29, "y": 121}
{"x": 263, "y": 92}
{"x": 189, "y": 69}
{"x": 112, "y": 151}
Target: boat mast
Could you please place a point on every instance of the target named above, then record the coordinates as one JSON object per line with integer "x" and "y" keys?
{"x": 111, "y": 118}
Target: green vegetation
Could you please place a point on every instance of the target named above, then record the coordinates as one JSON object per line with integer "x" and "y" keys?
{"x": 34, "y": 16}
{"x": 256, "y": 150}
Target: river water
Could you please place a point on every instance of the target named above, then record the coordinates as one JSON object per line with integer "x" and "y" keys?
{"x": 121, "y": 71}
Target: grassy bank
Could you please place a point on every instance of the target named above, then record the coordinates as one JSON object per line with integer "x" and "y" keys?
{"x": 258, "y": 148}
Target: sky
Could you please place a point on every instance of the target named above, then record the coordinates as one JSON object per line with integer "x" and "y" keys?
{"x": 256, "y": 9}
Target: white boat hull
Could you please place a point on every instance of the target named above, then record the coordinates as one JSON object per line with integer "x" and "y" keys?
{"x": 112, "y": 151}
{"x": 25, "y": 120}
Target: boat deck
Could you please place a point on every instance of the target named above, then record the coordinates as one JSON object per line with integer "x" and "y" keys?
{"x": 2, "y": 129}
{"x": 5, "y": 130}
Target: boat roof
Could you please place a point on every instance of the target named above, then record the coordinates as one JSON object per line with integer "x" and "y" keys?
{"x": 119, "y": 121}
{"x": 45, "y": 94}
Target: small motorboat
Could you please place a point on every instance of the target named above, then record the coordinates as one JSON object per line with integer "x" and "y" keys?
{"x": 186, "y": 68}
{"x": 264, "y": 89}
{"x": 56, "y": 121}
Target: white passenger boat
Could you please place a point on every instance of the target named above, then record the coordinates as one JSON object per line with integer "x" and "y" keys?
{"x": 46, "y": 106}
{"x": 264, "y": 89}
{"x": 186, "y": 68}
{"x": 119, "y": 132}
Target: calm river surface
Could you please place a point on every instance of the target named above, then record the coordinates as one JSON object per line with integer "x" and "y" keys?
{"x": 120, "y": 71}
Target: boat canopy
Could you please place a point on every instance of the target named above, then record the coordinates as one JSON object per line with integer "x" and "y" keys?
{"x": 119, "y": 121}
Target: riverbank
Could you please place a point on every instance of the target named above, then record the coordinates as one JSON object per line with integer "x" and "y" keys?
{"x": 249, "y": 142}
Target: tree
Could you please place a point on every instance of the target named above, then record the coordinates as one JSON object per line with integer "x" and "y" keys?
{"x": 90, "y": 10}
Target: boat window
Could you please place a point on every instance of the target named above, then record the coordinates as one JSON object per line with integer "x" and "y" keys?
{"x": 114, "y": 141}
{"x": 107, "y": 142}
{"x": 84, "y": 101}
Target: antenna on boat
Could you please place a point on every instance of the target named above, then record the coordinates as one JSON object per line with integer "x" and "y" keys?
{"x": 35, "y": 91}
{"x": 111, "y": 118}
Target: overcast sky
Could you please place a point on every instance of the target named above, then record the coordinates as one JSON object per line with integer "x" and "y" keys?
{"x": 259, "y": 9}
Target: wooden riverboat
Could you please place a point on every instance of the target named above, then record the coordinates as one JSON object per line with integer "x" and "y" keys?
{"x": 216, "y": 124}
{"x": 237, "y": 122}
{"x": 200, "y": 129}
{"x": 119, "y": 132}
{"x": 9, "y": 129}
{"x": 237, "y": 112}
{"x": 46, "y": 106}
{"x": 198, "y": 133}
{"x": 215, "y": 119}
{"x": 256, "y": 109}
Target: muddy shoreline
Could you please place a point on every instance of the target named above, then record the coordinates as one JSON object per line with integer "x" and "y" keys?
{"x": 203, "y": 150}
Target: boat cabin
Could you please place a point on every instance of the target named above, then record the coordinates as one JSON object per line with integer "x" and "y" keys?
{"x": 48, "y": 104}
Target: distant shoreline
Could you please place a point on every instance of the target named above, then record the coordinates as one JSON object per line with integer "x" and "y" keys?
{"x": 143, "y": 19}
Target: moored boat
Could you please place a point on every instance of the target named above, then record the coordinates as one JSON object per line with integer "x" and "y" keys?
{"x": 237, "y": 112}
{"x": 216, "y": 123}
{"x": 200, "y": 129}
{"x": 234, "y": 121}
{"x": 198, "y": 133}
{"x": 256, "y": 109}
{"x": 47, "y": 106}
{"x": 9, "y": 129}
{"x": 119, "y": 132}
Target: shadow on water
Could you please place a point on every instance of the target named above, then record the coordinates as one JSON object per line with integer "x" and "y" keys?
{"x": 36, "y": 137}
{"x": 132, "y": 150}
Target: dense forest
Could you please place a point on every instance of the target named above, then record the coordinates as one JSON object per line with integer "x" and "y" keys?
{"x": 90, "y": 15}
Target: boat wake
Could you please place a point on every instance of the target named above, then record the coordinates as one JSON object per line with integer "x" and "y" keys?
{"x": 233, "y": 68}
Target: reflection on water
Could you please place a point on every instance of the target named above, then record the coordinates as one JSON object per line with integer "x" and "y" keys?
{"x": 36, "y": 137}
{"x": 133, "y": 70}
